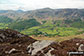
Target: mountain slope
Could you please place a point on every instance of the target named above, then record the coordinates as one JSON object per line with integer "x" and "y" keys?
{"x": 46, "y": 13}
{"x": 4, "y": 19}
{"x": 21, "y": 25}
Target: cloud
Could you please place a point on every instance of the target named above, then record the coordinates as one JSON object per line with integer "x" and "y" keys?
{"x": 37, "y": 4}
{"x": 8, "y": 7}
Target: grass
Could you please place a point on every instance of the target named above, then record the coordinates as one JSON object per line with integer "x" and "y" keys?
{"x": 59, "y": 39}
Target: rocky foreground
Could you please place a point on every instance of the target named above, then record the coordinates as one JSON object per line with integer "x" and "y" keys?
{"x": 13, "y": 43}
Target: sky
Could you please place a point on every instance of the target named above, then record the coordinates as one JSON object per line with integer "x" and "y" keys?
{"x": 38, "y": 4}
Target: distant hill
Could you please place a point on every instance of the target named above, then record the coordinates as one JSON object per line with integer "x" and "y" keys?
{"x": 46, "y": 13}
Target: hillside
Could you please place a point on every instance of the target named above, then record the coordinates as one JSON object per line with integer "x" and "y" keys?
{"x": 58, "y": 28}
{"x": 44, "y": 22}
{"x": 21, "y": 25}
{"x": 13, "y": 43}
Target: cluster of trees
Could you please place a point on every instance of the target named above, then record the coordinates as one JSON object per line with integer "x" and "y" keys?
{"x": 78, "y": 24}
{"x": 4, "y": 19}
{"x": 21, "y": 25}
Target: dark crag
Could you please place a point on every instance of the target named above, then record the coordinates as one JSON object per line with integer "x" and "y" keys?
{"x": 13, "y": 43}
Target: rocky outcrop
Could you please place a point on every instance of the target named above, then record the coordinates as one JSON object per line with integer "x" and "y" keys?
{"x": 13, "y": 43}
{"x": 8, "y": 34}
{"x": 56, "y": 49}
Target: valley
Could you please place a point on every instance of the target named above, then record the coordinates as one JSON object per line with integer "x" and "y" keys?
{"x": 44, "y": 22}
